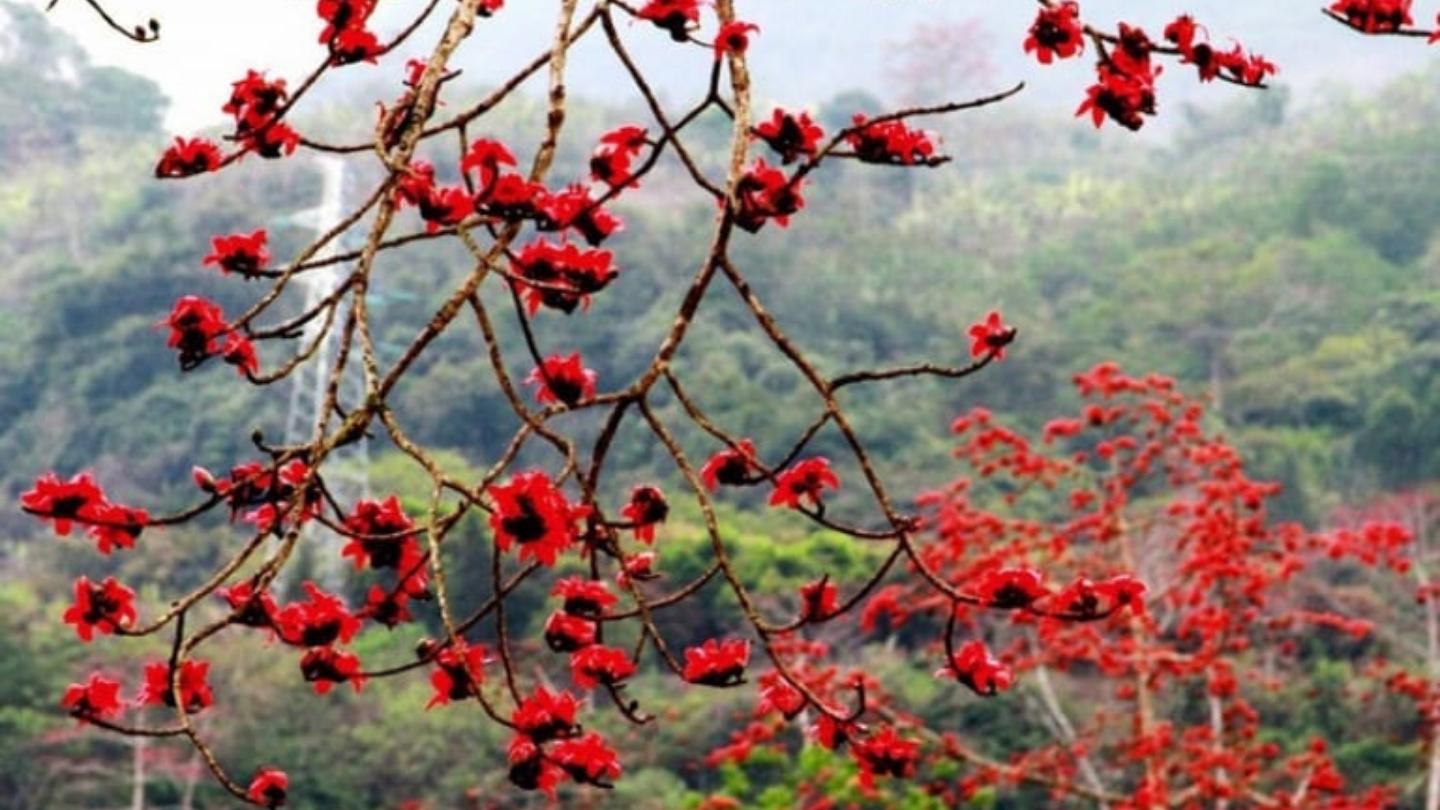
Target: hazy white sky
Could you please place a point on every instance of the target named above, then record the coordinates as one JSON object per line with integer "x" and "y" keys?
{"x": 808, "y": 49}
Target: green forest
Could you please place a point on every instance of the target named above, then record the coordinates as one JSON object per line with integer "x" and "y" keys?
{"x": 1280, "y": 259}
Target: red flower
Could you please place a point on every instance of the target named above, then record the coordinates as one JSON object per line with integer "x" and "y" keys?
{"x": 254, "y": 101}
{"x": 807, "y": 479}
{"x": 105, "y": 608}
{"x": 532, "y": 513}
{"x": 675, "y": 16}
{"x": 890, "y": 142}
{"x": 247, "y": 607}
{"x": 991, "y": 336}
{"x": 597, "y": 664}
{"x": 647, "y": 509}
{"x": 195, "y": 328}
{"x": 976, "y": 668}
{"x": 193, "y": 683}
{"x": 511, "y": 197}
{"x": 64, "y": 502}
{"x": 275, "y": 140}
{"x": 321, "y": 620}
{"x": 1010, "y": 588}
{"x": 565, "y": 633}
{"x": 820, "y": 599}
{"x": 717, "y": 663}
{"x": 565, "y": 276}
{"x": 584, "y": 597}
{"x": 1083, "y": 599}
{"x": 1374, "y": 16}
{"x": 485, "y": 157}
{"x": 354, "y": 45}
{"x": 765, "y": 193}
{"x": 610, "y": 162}
{"x": 790, "y": 134}
{"x": 574, "y": 208}
{"x": 254, "y": 487}
{"x": 342, "y": 14}
{"x": 185, "y": 158}
{"x": 98, "y": 697}
{"x": 380, "y": 536}
{"x": 1056, "y": 33}
{"x": 117, "y": 526}
{"x": 638, "y": 568}
{"x": 885, "y": 753}
{"x": 776, "y": 694}
{"x": 562, "y": 380}
{"x": 324, "y": 667}
{"x": 530, "y": 769}
{"x": 734, "y": 37}
{"x": 733, "y": 466}
{"x": 387, "y": 607}
{"x": 458, "y": 670}
{"x": 238, "y": 253}
{"x": 238, "y": 351}
{"x": 546, "y": 715}
{"x": 1123, "y": 97}
{"x": 588, "y": 760}
{"x": 267, "y": 787}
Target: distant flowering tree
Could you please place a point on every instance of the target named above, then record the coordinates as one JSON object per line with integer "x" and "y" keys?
{"x": 540, "y": 241}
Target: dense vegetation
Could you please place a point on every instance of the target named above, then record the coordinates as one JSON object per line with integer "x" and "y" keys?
{"x": 1284, "y": 262}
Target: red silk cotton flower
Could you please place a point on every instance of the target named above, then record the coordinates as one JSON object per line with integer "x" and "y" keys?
{"x": 458, "y": 670}
{"x": 103, "y": 608}
{"x": 734, "y": 466}
{"x": 193, "y": 683}
{"x": 379, "y": 536}
{"x": 885, "y": 753}
{"x": 320, "y": 620}
{"x": 890, "y": 142}
{"x": 535, "y": 515}
{"x": 990, "y": 337}
{"x": 675, "y": 16}
{"x": 564, "y": 276}
{"x": 267, "y": 788}
{"x": 1010, "y": 588}
{"x": 185, "y": 158}
{"x": 790, "y": 134}
{"x": 64, "y": 502}
{"x": 97, "y": 697}
{"x": 976, "y": 668}
{"x": 324, "y": 667}
{"x": 646, "y": 509}
{"x": 546, "y": 715}
{"x": 717, "y": 662}
{"x": 240, "y": 253}
{"x": 562, "y": 380}
{"x": 610, "y": 163}
{"x": 584, "y": 597}
{"x": 195, "y": 328}
{"x": 734, "y": 37}
{"x": 1374, "y": 16}
{"x": 1056, "y": 33}
{"x": 806, "y": 480}
{"x": 765, "y": 193}
{"x": 597, "y": 664}
{"x": 588, "y": 760}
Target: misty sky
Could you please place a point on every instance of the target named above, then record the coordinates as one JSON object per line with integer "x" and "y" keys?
{"x": 808, "y": 49}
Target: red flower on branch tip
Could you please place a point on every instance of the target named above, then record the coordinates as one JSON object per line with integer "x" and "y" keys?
{"x": 458, "y": 670}
{"x": 885, "y": 753}
{"x": 485, "y": 157}
{"x": 765, "y": 193}
{"x": 240, "y": 253}
{"x": 790, "y": 134}
{"x": 567, "y": 633}
{"x": 267, "y": 787}
{"x": 717, "y": 662}
{"x": 273, "y": 141}
{"x": 1374, "y": 16}
{"x": 820, "y": 599}
{"x": 1125, "y": 98}
{"x": 565, "y": 277}
{"x": 380, "y": 537}
{"x": 596, "y": 664}
{"x": 188, "y": 157}
{"x": 778, "y": 695}
{"x": 675, "y": 16}
{"x": 734, "y": 37}
{"x": 974, "y": 666}
{"x": 239, "y": 351}
{"x": 610, "y": 162}
{"x": 584, "y": 597}
{"x": 575, "y": 209}
{"x": 732, "y": 466}
{"x": 104, "y": 608}
{"x": 638, "y": 568}
{"x": 196, "y": 326}
{"x": 321, "y": 620}
{"x": 193, "y": 683}
{"x": 323, "y": 667}
{"x": 1010, "y": 588}
{"x": 97, "y": 697}
{"x": 806, "y": 480}
{"x": 588, "y": 760}
{"x": 1056, "y": 33}
{"x": 389, "y": 607}
{"x": 530, "y": 769}
{"x": 63, "y": 503}
{"x": 534, "y": 514}
{"x": 646, "y": 509}
{"x": 546, "y": 715}
{"x": 248, "y": 607}
{"x": 990, "y": 337}
{"x": 1083, "y": 599}
{"x": 254, "y": 101}
{"x": 562, "y": 380}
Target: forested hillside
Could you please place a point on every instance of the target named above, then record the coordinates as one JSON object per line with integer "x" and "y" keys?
{"x": 1285, "y": 265}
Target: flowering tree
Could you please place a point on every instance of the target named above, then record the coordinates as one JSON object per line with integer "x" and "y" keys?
{"x": 540, "y": 242}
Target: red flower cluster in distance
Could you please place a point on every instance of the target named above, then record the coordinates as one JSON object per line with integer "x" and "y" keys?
{"x": 1049, "y": 588}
